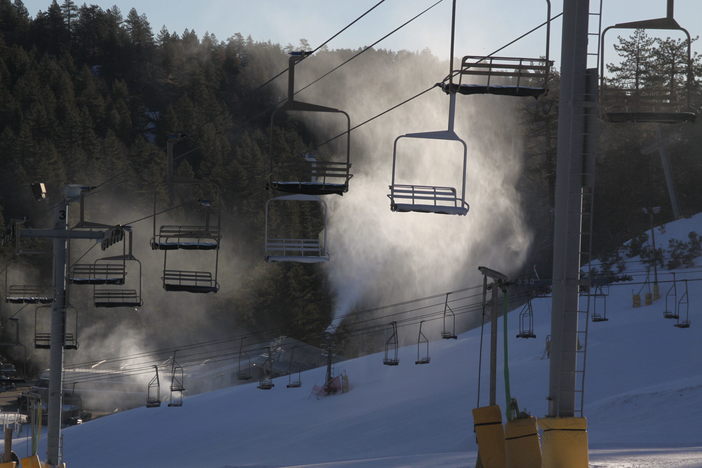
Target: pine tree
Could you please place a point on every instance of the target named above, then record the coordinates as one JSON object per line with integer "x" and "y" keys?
{"x": 634, "y": 71}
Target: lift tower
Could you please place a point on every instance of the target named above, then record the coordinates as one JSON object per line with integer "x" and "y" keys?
{"x": 568, "y": 230}
{"x": 60, "y": 235}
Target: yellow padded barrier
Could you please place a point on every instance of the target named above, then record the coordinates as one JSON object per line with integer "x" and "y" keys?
{"x": 522, "y": 448}
{"x": 31, "y": 462}
{"x": 564, "y": 442}
{"x": 8, "y": 465}
{"x": 487, "y": 423}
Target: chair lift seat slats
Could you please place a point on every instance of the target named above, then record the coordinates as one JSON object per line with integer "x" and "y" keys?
{"x": 295, "y": 250}
{"x": 189, "y": 281}
{"x": 405, "y": 198}
{"x": 28, "y": 294}
{"x": 97, "y": 273}
{"x": 186, "y": 238}
{"x": 311, "y": 188}
{"x": 116, "y": 298}
{"x": 43, "y": 341}
{"x": 313, "y": 178}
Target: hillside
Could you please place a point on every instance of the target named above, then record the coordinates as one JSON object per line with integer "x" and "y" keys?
{"x": 643, "y": 402}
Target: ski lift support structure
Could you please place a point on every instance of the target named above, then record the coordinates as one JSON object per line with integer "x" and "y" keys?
{"x": 499, "y": 281}
{"x": 308, "y": 176}
{"x": 60, "y": 235}
{"x": 659, "y": 105}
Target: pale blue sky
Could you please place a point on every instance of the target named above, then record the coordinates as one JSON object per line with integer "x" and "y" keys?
{"x": 482, "y": 26}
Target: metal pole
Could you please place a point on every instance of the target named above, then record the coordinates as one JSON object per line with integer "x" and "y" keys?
{"x": 567, "y": 222}
{"x": 58, "y": 334}
{"x": 493, "y": 347}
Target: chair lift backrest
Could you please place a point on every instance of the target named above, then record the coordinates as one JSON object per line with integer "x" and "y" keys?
{"x": 673, "y": 113}
{"x": 291, "y": 105}
{"x": 296, "y": 250}
{"x": 511, "y": 67}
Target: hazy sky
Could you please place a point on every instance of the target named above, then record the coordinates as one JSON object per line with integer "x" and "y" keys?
{"x": 481, "y": 27}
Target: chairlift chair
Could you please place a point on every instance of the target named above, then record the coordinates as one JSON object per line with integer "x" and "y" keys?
{"x": 177, "y": 387}
{"x": 448, "y": 333}
{"x": 297, "y": 382}
{"x": 26, "y": 293}
{"x": 599, "y": 314}
{"x": 668, "y": 104}
{"x": 504, "y": 76}
{"x": 205, "y": 237}
{"x": 308, "y": 174}
{"x": 683, "y": 309}
{"x": 243, "y": 374}
{"x": 108, "y": 296}
{"x": 391, "y": 347}
{"x": 429, "y": 198}
{"x": 422, "y": 358}
{"x": 42, "y": 337}
{"x": 671, "y": 301}
{"x": 153, "y": 391}
{"x": 526, "y": 321}
{"x": 296, "y": 248}
{"x": 266, "y": 381}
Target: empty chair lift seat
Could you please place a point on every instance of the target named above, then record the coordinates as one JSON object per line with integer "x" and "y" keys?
{"x": 189, "y": 281}
{"x": 116, "y": 298}
{"x": 97, "y": 273}
{"x": 313, "y": 177}
{"x": 426, "y": 199}
{"x": 186, "y": 238}
{"x": 25, "y": 294}
{"x": 504, "y": 76}
{"x": 43, "y": 341}
{"x": 295, "y": 250}
{"x": 643, "y": 105}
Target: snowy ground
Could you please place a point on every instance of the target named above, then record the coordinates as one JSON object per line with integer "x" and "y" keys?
{"x": 643, "y": 403}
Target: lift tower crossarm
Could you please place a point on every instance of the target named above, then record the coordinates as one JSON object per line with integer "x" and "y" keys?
{"x": 60, "y": 234}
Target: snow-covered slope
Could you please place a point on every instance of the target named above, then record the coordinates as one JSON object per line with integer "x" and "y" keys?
{"x": 643, "y": 402}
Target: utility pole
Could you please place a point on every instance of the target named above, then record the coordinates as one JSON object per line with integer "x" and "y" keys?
{"x": 60, "y": 236}
{"x": 650, "y": 211}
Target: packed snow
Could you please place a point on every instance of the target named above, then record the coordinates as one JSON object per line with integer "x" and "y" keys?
{"x": 643, "y": 401}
